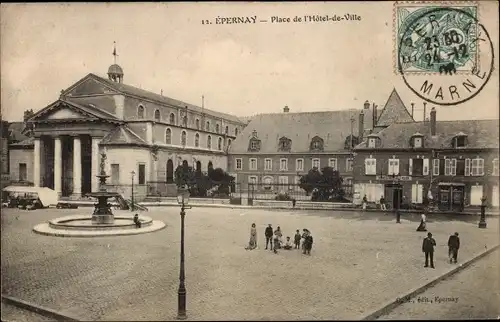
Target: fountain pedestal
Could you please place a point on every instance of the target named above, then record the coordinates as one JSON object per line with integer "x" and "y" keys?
{"x": 102, "y": 212}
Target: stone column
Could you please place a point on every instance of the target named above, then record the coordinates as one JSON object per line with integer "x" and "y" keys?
{"x": 36, "y": 163}
{"x": 95, "y": 164}
{"x": 77, "y": 166}
{"x": 57, "y": 165}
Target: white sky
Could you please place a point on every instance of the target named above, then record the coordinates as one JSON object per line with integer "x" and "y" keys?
{"x": 241, "y": 69}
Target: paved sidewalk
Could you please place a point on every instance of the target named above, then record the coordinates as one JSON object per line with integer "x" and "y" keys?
{"x": 10, "y": 313}
{"x": 358, "y": 263}
{"x": 473, "y": 293}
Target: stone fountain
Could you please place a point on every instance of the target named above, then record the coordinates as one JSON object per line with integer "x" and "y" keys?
{"x": 102, "y": 211}
{"x": 103, "y": 222}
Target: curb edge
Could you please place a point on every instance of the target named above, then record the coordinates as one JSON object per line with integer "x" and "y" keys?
{"x": 38, "y": 309}
{"x": 393, "y": 304}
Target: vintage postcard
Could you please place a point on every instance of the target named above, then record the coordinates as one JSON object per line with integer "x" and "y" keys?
{"x": 250, "y": 161}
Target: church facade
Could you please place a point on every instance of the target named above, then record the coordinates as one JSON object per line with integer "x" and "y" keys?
{"x": 144, "y": 136}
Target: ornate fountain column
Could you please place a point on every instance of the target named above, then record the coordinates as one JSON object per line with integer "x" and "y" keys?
{"x": 102, "y": 212}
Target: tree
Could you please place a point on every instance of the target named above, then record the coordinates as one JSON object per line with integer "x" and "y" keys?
{"x": 324, "y": 185}
{"x": 28, "y": 127}
{"x": 216, "y": 182}
{"x": 28, "y": 114}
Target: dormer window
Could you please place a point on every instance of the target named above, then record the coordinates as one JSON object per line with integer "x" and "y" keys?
{"x": 350, "y": 142}
{"x": 417, "y": 140}
{"x": 255, "y": 143}
{"x": 285, "y": 144}
{"x": 217, "y": 128}
{"x": 171, "y": 119}
{"x": 372, "y": 141}
{"x": 185, "y": 121}
{"x": 207, "y": 127}
{"x": 197, "y": 124}
{"x": 460, "y": 140}
{"x": 316, "y": 144}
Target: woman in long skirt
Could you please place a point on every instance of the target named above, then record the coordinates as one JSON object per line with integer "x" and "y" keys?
{"x": 422, "y": 226}
{"x": 252, "y": 244}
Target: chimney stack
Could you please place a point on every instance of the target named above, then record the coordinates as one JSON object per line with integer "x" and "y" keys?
{"x": 286, "y": 109}
{"x": 367, "y": 105}
{"x": 425, "y": 104}
{"x": 412, "y": 108}
{"x": 361, "y": 126}
{"x": 433, "y": 121}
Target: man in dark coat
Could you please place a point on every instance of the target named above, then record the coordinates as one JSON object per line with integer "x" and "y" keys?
{"x": 428, "y": 249}
{"x": 269, "y": 236}
{"x": 308, "y": 244}
{"x": 453, "y": 246}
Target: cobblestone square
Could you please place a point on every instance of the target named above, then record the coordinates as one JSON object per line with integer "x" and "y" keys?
{"x": 359, "y": 262}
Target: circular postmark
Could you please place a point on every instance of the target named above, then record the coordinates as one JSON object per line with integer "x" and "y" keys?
{"x": 445, "y": 55}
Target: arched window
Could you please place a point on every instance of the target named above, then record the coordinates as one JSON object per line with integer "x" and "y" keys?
{"x": 197, "y": 124}
{"x": 140, "y": 112}
{"x": 219, "y": 144}
{"x": 157, "y": 115}
{"x": 196, "y": 140}
{"x": 185, "y": 121}
{"x": 207, "y": 128}
{"x": 226, "y": 130}
{"x": 217, "y": 128}
{"x": 183, "y": 138}
{"x": 210, "y": 166}
{"x": 236, "y": 132}
{"x": 168, "y": 136}
{"x": 172, "y": 119}
{"x": 209, "y": 142}
{"x": 229, "y": 143}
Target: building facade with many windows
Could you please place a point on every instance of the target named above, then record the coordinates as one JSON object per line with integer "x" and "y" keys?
{"x": 136, "y": 130}
{"x": 453, "y": 162}
{"x": 275, "y": 150}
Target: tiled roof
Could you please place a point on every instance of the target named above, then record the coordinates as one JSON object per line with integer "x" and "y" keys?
{"x": 92, "y": 110}
{"x": 122, "y": 135}
{"x": 128, "y": 89}
{"x": 16, "y": 131}
{"x": 394, "y": 111}
{"x": 332, "y": 126}
{"x": 480, "y": 134}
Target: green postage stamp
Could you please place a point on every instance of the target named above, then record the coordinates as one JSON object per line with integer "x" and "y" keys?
{"x": 441, "y": 49}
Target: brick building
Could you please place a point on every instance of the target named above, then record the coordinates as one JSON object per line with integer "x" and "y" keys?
{"x": 457, "y": 161}
{"x": 138, "y": 131}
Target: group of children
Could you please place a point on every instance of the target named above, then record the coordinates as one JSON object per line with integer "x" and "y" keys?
{"x": 306, "y": 243}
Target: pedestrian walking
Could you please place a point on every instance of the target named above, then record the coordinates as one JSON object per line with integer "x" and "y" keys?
{"x": 305, "y": 232}
{"x": 423, "y": 224}
{"x": 453, "y": 246}
{"x": 365, "y": 200}
{"x": 269, "y": 236}
{"x": 382, "y": 203}
{"x": 428, "y": 248}
{"x": 277, "y": 239}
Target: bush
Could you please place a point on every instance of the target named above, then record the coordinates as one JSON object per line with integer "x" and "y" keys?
{"x": 283, "y": 196}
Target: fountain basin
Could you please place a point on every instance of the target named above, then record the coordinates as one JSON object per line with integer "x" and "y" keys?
{"x": 84, "y": 226}
{"x": 87, "y": 223}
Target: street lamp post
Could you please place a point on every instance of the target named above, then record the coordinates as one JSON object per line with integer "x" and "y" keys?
{"x": 132, "y": 208}
{"x": 482, "y": 221}
{"x": 183, "y": 200}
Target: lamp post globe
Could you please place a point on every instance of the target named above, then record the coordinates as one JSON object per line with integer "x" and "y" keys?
{"x": 183, "y": 200}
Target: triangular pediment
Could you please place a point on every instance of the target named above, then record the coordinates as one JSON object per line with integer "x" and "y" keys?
{"x": 89, "y": 85}
{"x": 62, "y": 110}
{"x": 64, "y": 113}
